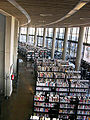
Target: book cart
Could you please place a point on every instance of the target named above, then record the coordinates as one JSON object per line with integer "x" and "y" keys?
{"x": 60, "y": 92}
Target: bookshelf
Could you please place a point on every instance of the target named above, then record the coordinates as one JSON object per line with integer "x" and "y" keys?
{"x": 60, "y": 92}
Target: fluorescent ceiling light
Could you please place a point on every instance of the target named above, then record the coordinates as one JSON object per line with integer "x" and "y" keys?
{"x": 80, "y": 5}
{"x": 68, "y": 23}
{"x": 45, "y": 15}
{"x": 68, "y": 15}
{"x": 42, "y": 21}
{"x": 84, "y": 18}
{"x": 72, "y": 12}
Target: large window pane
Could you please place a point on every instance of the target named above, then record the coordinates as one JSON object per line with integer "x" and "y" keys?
{"x": 60, "y": 33}
{"x": 31, "y": 40}
{"x": 49, "y": 43}
{"x": 73, "y": 34}
{"x": 23, "y": 33}
{"x": 23, "y": 30}
{"x": 22, "y": 38}
{"x": 40, "y": 31}
{"x": 40, "y": 41}
{"x": 49, "y": 32}
{"x": 31, "y": 31}
{"x": 87, "y": 54}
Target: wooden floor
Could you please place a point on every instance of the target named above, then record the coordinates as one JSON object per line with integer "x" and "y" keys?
{"x": 19, "y": 106}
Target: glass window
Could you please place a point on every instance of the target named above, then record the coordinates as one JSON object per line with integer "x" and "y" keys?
{"x": 31, "y": 31}
{"x": 22, "y": 38}
{"x": 49, "y": 43}
{"x": 87, "y": 35}
{"x": 49, "y": 32}
{"x": 86, "y": 48}
{"x": 40, "y": 31}
{"x": 59, "y": 45}
{"x": 73, "y": 33}
{"x": 23, "y": 32}
{"x": 87, "y": 54}
{"x": 31, "y": 40}
{"x": 31, "y": 36}
{"x": 60, "y": 33}
{"x": 40, "y": 41}
{"x": 56, "y": 45}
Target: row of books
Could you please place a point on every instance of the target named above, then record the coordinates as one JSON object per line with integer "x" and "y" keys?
{"x": 57, "y": 75}
{"x": 59, "y": 91}
{"x": 57, "y": 98}
{"x": 63, "y": 106}
{"x": 81, "y": 112}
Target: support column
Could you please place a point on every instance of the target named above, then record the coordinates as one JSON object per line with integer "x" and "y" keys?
{"x": 19, "y": 33}
{"x": 44, "y": 37}
{"x": 65, "y": 44}
{"x": 9, "y": 54}
{"x": 15, "y": 46}
{"x": 79, "y": 48}
{"x": 35, "y": 38}
{"x": 27, "y": 35}
{"x": 2, "y": 50}
{"x": 53, "y": 43}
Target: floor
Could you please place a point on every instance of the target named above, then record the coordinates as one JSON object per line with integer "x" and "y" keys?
{"x": 20, "y": 105}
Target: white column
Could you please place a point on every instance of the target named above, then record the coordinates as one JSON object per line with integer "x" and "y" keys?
{"x": 35, "y": 38}
{"x": 65, "y": 44}
{"x": 19, "y": 33}
{"x": 2, "y": 50}
{"x": 79, "y": 48}
{"x": 53, "y": 43}
{"x": 44, "y": 37}
{"x": 27, "y": 37}
{"x": 9, "y": 54}
{"x": 15, "y": 46}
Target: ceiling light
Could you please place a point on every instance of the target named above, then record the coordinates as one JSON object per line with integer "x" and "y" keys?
{"x": 67, "y": 23}
{"x": 84, "y": 18}
{"x": 42, "y": 21}
{"x": 45, "y": 15}
{"x": 68, "y": 15}
{"x": 72, "y": 12}
{"x": 80, "y": 5}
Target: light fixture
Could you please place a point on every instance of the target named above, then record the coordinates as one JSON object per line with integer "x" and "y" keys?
{"x": 80, "y": 5}
{"x": 72, "y": 12}
{"x": 67, "y": 23}
{"x": 68, "y": 15}
{"x": 46, "y": 15}
{"x": 41, "y": 21}
{"x": 84, "y": 18}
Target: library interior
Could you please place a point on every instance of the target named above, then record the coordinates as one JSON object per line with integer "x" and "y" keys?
{"x": 44, "y": 59}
